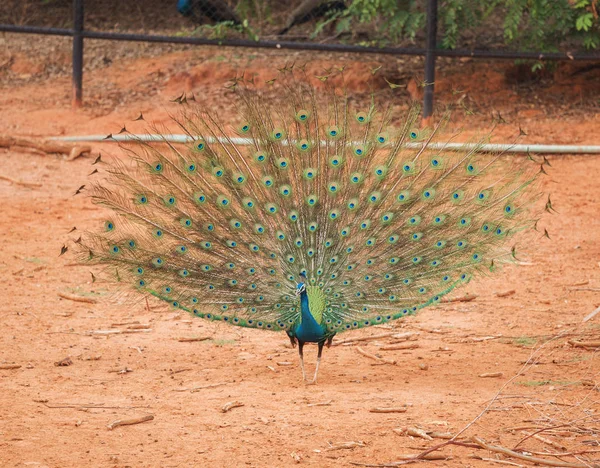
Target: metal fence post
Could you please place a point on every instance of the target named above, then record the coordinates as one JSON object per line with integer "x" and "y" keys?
{"x": 77, "y": 52}
{"x": 430, "y": 55}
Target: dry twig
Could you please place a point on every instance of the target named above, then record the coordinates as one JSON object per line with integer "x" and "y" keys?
{"x": 232, "y": 404}
{"x": 537, "y": 460}
{"x": 364, "y": 338}
{"x": 398, "y": 409}
{"x": 322, "y": 403}
{"x": 374, "y": 357}
{"x": 71, "y": 297}
{"x": 345, "y": 445}
{"x": 395, "y": 347}
{"x": 193, "y": 339}
{"x": 129, "y": 422}
{"x": 9, "y": 366}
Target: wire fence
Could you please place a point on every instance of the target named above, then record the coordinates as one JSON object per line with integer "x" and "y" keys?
{"x": 318, "y": 25}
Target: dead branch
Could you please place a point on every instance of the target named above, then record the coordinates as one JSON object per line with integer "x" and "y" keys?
{"x": 45, "y": 146}
{"x": 232, "y": 404}
{"x": 71, "y": 297}
{"x": 430, "y": 456}
{"x": 322, "y": 403}
{"x": 506, "y": 293}
{"x": 374, "y": 357}
{"x": 484, "y": 338}
{"x": 592, "y": 314}
{"x": 9, "y": 366}
{"x": 129, "y": 422}
{"x": 202, "y": 387}
{"x": 494, "y": 460}
{"x": 544, "y": 440}
{"x": 346, "y": 445}
{"x": 537, "y": 460}
{"x": 414, "y": 432}
{"x": 465, "y": 298}
{"x": 400, "y": 346}
{"x": 584, "y": 344}
{"x": 398, "y": 409}
{"x": 193, "y": 339}
{"x": 364, "y": 338}
{"x": 491, "y": 374}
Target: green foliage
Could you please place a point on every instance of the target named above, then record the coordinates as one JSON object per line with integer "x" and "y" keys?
{"x": 545, "y": 25}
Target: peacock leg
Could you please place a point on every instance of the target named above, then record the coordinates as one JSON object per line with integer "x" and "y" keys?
{"x": 320, "y": 345}
{"x": 301, "y": 353}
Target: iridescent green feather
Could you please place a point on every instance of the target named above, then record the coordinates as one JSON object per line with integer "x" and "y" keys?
{"x": 381, "y": 222}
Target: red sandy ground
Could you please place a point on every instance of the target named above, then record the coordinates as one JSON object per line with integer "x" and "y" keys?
{"x": 57, "y": 416}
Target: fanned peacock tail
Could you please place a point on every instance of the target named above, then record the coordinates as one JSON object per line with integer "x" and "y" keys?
{"x": 381, "y": 221}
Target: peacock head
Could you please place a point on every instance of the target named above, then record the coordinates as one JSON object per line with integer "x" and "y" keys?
{"x": 301, "y": 286}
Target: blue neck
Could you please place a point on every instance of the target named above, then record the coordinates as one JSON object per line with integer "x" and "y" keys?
{"x": 309, "y": 329}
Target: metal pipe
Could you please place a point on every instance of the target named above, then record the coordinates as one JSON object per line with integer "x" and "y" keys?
{"x": 77, "y": 53}
{"x": 430, "y": 58}
{"x": 491, "y": 54}
{"x": 492, "y": 147}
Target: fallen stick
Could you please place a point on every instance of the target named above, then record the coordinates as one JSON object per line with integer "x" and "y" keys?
{"x": 71, "y": 297}
{"x": 197, "y": 389}
{"x": 485, "y": 338}
{"x": 493, "y": 460}
{"x": 580, "y": 283}
{"x": 537, "y": 460}
{"x": 345, "y": 445}
{"x": 232, "y": 404}
{"x": 506, "y": 293}
{"x": 413, "y": 431}
{"x": 9, "y": 366}
{"x": 440, "y": 435}
{"x": 466, "y": 298}
{"x": 592, "y": 314}
{"x": 190, "y": 340}
{"x": 400, "y": 346}
{"x": 139, "y": 326}
{"x": 129, "y": 422}
{"x": 364, "y": 338}
{"x": 45, "y": 146}
{"x": 374, "y": 357}
{"x": 322, "y": 403}
{"x": 584, "y": 344}
{"x": 584, "y": 289}
{"x": 491, "y": 374}
{"x": 429, "y": 456}
{"x": 21, "y": 182}
{"x": 388, "y": 410}
{"x": 546, "y": 441}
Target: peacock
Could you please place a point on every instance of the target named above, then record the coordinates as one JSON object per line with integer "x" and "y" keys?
{"x": 307, "y": 213}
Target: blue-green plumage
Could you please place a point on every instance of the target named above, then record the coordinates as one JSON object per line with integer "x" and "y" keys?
{"x": 308, "y": 329}
{"x": 322, "y": 218}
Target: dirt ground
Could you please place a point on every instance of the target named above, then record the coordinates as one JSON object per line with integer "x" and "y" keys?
{"x": 518, "y": 327}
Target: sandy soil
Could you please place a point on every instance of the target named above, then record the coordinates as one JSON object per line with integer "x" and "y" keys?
{"x": 57, "y": 416}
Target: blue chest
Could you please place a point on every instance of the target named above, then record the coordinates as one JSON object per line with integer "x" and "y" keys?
{"x": 308, "y": 329}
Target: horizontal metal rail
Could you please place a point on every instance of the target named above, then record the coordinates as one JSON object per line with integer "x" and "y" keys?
{"x": 491, "y": 147}
{"x": 271, "y": 44}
